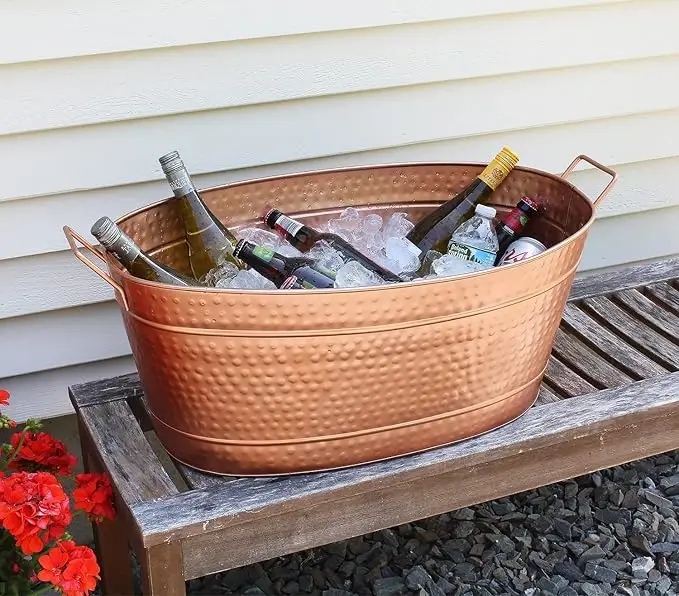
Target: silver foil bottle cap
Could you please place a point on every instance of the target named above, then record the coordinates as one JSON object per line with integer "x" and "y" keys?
{"x": 171, "y": 162}
{"x": 106, "y": 231}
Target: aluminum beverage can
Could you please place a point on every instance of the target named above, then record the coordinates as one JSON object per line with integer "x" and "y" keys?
{"x": 521, "y": 249}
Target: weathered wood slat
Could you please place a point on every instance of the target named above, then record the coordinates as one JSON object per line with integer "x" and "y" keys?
{"x": 163, "y": 570}
{"x": 565, "y": 380}
{"x": 111, "y": 539}
{"x": 666, "y": 294}
{"x": 636, "y": 332}
{"x": 629, "y": 277}
{"x": 125, "y": 453}
{"x": 105, "y": 390}
{"x": 659, "y": 318}
{"x": 546, "y": 396}
{"x": 634, "y": 363}
{"x": 587, "y": 363}
{"x": 546, "y": 444}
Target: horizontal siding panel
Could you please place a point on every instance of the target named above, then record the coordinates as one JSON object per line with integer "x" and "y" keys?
{"x": 62, "y": 338}
{"x": 186, "y": 79}
{"x": 126, "y": 152}
{"x": 635, "y": 237}
{"x": 48, "y": 282}
{"x": 45, "y": 394}
{"x": 546, "y": 148}
{"x": 640, "y": 187}
{"x": 85, "y": 28}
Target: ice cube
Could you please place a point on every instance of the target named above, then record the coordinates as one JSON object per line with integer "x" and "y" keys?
{"x": 428, "y": 261}
{"x": 348, "y": 222}
{"x": 260, "y": 237}
{"x": 327, "y": 256}
{"x": 248, "y": 279}
{"x": 371, "y": 224}
{"x": 350, "y": 214}
{"x": 223, "y": 274}
{"x": 336, "y": 226}
{"x": 355, "y": 275}
{"x": 288, "y": 250}
{"x": 404, "y": 253}
{"x": 397, "y": 225}
{"x": 451, "y": 265}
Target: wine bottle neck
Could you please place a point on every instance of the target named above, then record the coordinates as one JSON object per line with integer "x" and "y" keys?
{"x": 180, "y": 182}
{"x": 124, "y": 248}
{"x": 498, "y": 169}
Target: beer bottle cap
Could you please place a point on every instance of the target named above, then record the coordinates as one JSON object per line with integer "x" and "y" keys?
{"x": 271, "y": 217}
{"x": 238, "y": 247}
{"x": 531, "y": 203}
{"x": 289, "y": 282}
{"x": 486, "y": 211}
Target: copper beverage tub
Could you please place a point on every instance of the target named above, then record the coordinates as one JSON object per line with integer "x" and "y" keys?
{"x": 277, "y": 382}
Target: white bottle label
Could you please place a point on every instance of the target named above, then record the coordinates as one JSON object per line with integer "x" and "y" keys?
{"x": 471, "y": 253}
{"x": 289, "y": 225}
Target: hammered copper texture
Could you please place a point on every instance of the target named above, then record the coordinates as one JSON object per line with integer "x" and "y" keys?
{"x": 273, "y": 382}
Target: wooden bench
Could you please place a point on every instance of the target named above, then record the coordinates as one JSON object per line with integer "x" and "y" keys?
{"x": 610, "y": 396}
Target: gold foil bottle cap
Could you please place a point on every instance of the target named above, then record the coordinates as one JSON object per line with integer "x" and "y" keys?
{"x": 498, "y": 169}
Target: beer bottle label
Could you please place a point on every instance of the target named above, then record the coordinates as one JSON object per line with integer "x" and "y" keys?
{"x": 516, "y": 220}
{"x": 289, "y": 225}
{"x": 471, "y": 253}
{"x": 266, "y": 254}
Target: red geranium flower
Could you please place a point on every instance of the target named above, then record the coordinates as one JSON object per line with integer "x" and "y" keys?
{"x": 41, "y": 451}
{"x": 34, "y": 509}
{"x": 72, "y": 569}
{"x": 4, "y": 397}
{"x": 94, "y": 495}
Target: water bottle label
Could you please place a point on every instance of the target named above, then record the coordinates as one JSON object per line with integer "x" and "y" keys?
{"x": 289, "y": 225}
{"x": 471, "y": 253}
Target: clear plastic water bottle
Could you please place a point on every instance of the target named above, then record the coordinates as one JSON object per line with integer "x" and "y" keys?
{"x": 475, "y": 239}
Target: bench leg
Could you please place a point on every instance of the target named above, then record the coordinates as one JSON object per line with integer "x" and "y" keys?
{"x": 163, "y": 570}
{"x": 111, "y": 543}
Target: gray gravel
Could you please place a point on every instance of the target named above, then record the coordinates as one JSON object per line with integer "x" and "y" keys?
{"x": 611, "y": 532}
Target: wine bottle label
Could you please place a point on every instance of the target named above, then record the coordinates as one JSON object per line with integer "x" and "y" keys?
{"x": 179, "y": 182}
{"x": 266, "y": 254}
{"x": 125, "y": 249}
{"x": 471, "y": 253}
{"x": 289, "y": 225}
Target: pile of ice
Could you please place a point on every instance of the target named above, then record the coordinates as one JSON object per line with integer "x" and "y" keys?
{"x": 383, "y": 242}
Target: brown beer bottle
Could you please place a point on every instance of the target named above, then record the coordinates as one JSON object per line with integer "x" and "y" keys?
{"x": 278, "y": 268}
{"x": 304, "y": 237}
{"x": 209, "y": 240}
{"x": 513, "y": 223}
{"x": 433, "y": 231}
{"x": 133, "y": 258}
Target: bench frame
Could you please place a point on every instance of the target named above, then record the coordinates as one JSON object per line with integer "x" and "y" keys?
{"x": 206, "y": 524}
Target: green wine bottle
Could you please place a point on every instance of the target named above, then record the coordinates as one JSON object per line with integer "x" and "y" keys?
{"x": 210, "y": 242}
{"x": 433, "y": 231}
{"x": 133, "y": 258}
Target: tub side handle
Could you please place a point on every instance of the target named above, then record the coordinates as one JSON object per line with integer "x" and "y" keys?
{"x": 596, "y": 164}
{"x": 72, "y": 236}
